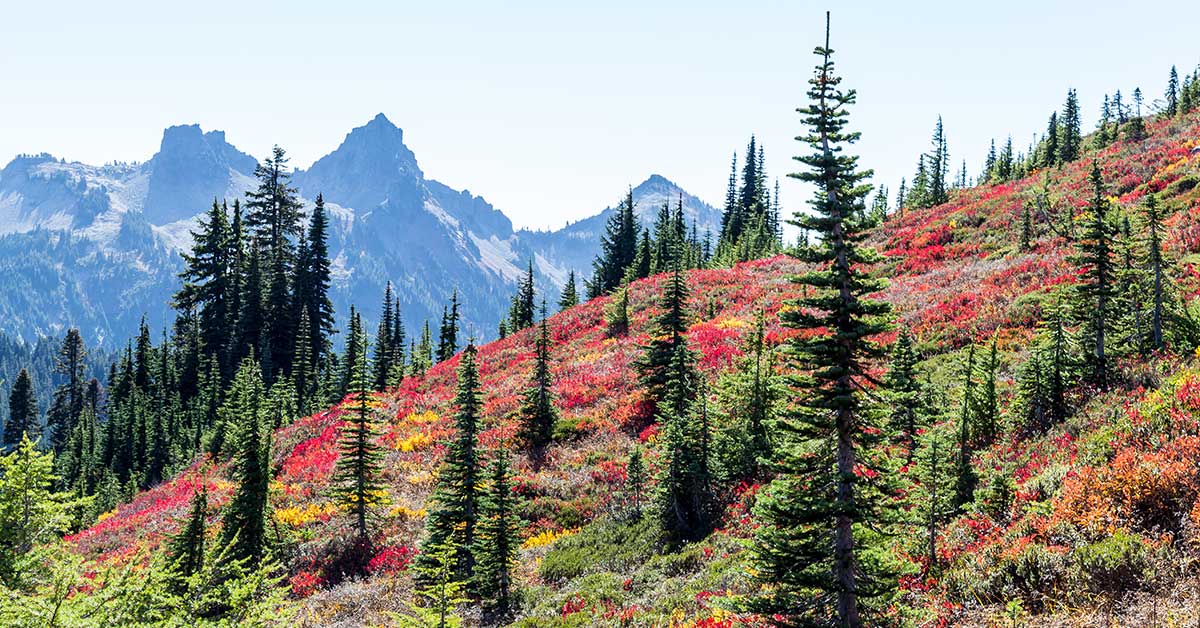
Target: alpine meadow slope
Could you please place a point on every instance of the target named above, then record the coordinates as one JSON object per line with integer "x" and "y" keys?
{"x": 1096, "y": 512}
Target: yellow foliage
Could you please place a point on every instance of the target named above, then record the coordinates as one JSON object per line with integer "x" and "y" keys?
{"x": 300, "y": 515}
{"x": 421, "y": 418}
{"x": 547, "y": 537}
{"x": 731, "y": 323}
{"x": 405, "y": 512}
{"x": 416, "y": 442}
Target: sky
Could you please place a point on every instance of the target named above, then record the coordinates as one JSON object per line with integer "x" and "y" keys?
{"x": 551, "y": 109}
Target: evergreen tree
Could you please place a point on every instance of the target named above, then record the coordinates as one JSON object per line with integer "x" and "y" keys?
{"x": 250, "y": 321}
{"x": 1060, "y": 370}
{"x": 243, "y": 525}
{"x": 22, "y": 412}
{"x": 964, "y": 488}
{"x": 313, "y": 282}
{"x": 1070, "y": 137}
{"x": 666, "y": 245}
{"x": 685, "y": 491}
{"x": 143, "y": 358}
{"x": 1136, "y": 131}
{"x": 643, "y": 260}
{"x": 31, "y": 514}
{"x": 987, "y": 404}
{"x": 989, "y": 165}
{"x": 618, "y": 246}
{"x": 210, "y": 282}
{"x": 397, "y": 342}
{"x": 448, "y": 333}
{"x": 918, "y": 195}
{"x": 538, "y": 414}
{"x": 933, "y": 497}
{"x": 749, "y": 396}
{"x": 616, "y": 315}
{"x": 939, "y": 167}
{"x": 732, "y": 219}
{"x": 905, "y": 392}
{"x": 382, "y": 364}
{"x": 654, "y": 367}
{"x": 454, "y": 510}
{"x": 812, "y": 547}
{"x": 497, "y": 542}
{"x": 635, "y": 481}
{"x": 421, "y": 353}
{"x": 186, "y": 548}
{"x": 439, "y": 584}
{"x": 69, "y": 398}
{"x": 356, "y": 477}
{"x": 355, "y": 360}
{"x": 1050, "y": 143}
{"x": 1095, "y": 288}
{"x": 304, "y": 371}
{"x": 570, "y": 295}
{"x": 1154, "y": 227}
{"x": 1172, "y": 94}
{"x": 1005, "y": 163}
{"x": 1027, "y": 236}
{"x": 520, "y": 315}
{"x": 273, "y": 218}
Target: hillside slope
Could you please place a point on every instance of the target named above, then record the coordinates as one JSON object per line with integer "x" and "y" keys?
{"x": 1123, "y": 467}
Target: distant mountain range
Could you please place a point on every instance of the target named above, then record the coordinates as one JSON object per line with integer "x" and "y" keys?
{"x": 98, "y": 246}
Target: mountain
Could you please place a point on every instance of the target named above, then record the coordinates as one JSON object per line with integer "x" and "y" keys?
{"x": 575, "y": 246}
{"x": 97, "y": 246}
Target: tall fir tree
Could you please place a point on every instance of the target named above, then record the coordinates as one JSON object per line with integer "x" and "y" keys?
{"x": 1050, "y": 153}
{"x": 685, "y": 489}
{"x": 313, "y": 279}
{"x": 186, "y": 549}
{"x": 1154, "y": 254}
{"x": 1095, "y": 287}
{"x": 304, "y": 368}
{"x": 905, "y": 393}
{"x": 1070, "y": 137}
{"x": 1172, "y": 94}
{"x": 244, "y": 523}
{"x": 964, "y": 488}
{"x": 497, "y": 541}
{"x": 939, "y": 167}
{"x": 520, "y": 315}
{"x": 22, "y": 412}
{"x": 210, "y": 283}
{"x": 570, "y": 294}
{"x": 454, "y": 510}
{"x": 669, "y": 327}
{"x": 273, "y": 218}
{"x": 384, "y": 353}
{"x": 538, "y": 414}
{"x": 69, "y": 398}
{"x": 812, "y": 548}
{"x": 356, "y": 476}
{"x": 448, "y": 333}
{"x": 618, "y": 246}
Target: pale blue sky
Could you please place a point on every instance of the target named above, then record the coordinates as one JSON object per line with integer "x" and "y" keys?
{"x": 549, "y": 110}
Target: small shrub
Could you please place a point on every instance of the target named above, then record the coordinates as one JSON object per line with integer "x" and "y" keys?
{"x": 603, "y": 545}
{"x": 1113, "y": 565}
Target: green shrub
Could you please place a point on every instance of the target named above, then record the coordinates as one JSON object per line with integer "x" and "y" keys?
{"x": 604, "y": 545}
{"x": 1113, "y": 565}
